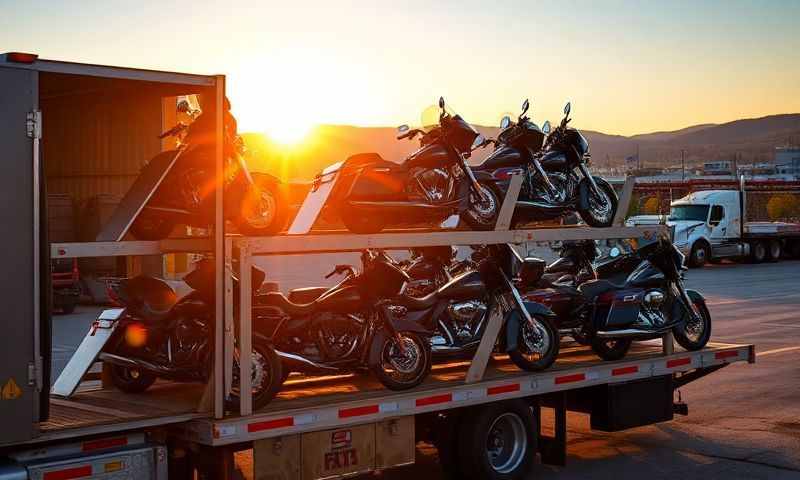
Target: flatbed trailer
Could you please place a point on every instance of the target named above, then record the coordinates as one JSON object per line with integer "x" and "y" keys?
{"x": 318, "y": 427}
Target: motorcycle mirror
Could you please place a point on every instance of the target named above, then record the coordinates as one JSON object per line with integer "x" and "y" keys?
{"x": 505, "y": 122}
{"x": 546, "y": 127}
{"x": 402, "y": 129}
{"x": 441, "y": 103}
{"x": 567, "y": 108}
{"x": 525, "y": 106}
{"x": 479, "y": 141}
{"x": 614, "y": 253}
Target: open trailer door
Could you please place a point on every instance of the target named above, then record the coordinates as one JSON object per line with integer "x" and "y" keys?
{"x": 20, "y": 288}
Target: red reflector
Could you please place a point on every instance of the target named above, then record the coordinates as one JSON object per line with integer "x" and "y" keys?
{"x": 104, "y": 443}
{"x": 19, "y": 57}
{"x": 728, "y": 354}
{"x": 69, "y": 473}
{"x": 270, "y": 424}
{"x": 678, "y": 362}
{"x": 624, "y": 370}
{"x": 578, "y": 377}
{"x": 435, "y": 399}
{"x": 358, "y": 411}
{"x": 514, "y": 387}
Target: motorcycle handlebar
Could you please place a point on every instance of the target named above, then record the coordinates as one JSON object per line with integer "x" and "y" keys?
{"x": 339, "y": 269}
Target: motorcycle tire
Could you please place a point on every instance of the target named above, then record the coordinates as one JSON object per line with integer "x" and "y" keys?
{"x": 270, "y": 368}
{"x": 520, "y": 358}
{"x": 590, "y": 217}
{"x": 488, "y": 219}
{"x": 131, "y": 380}
{"x": 267, "y": 197}
{"x": 683, "y": 339}
{"x": 152, "y": 227}
{"x": 398, "y": 380}
{"x": 362, "y": 223}
{"x": 611, "y": 349}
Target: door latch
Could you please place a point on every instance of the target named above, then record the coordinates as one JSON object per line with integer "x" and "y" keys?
{"x": 33, "y": 123}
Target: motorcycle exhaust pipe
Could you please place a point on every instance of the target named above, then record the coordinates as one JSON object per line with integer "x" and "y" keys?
{"x": 298, "y": 361}
{"x": 630, "y": 333}
{"x": 131, "y": 363}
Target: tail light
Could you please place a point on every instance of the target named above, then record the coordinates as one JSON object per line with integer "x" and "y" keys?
{"x": 136, "y": 334}
{"x": 20, "y": 57}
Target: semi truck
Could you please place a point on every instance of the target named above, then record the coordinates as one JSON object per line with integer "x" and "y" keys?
{"x": 712, "y": 225}
{"x": 484, "y": 417}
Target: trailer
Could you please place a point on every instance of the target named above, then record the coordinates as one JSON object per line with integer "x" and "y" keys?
{"x": 482, "y": 414}
{"x": 712, "y": 225}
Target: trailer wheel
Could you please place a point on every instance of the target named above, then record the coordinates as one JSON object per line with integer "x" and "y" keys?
{"x": 499, "y": 441}
{"x": 758, "y": 252}
{"x": 775, "y": 250}
{"x": 699, "y": 254}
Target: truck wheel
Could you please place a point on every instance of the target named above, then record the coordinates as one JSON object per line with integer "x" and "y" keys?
{"x": 499, "y": 441}
{"x": 699, "y": 255}
{"x": 775, "y": 251}
{"x": 758, "y": 252}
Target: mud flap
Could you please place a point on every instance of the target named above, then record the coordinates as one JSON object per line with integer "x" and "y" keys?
{"x": 315, "y": 200}
{"x": 138, "y": 195}
{"x": 83, "y": 358}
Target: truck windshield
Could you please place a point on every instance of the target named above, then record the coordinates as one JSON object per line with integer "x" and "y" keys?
{"x": 697, "y": 213}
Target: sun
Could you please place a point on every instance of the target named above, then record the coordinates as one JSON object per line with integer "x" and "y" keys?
{"x": 288, "y": 134}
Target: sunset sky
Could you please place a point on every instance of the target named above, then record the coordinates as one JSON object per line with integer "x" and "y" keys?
{"x": 626, "y": 66}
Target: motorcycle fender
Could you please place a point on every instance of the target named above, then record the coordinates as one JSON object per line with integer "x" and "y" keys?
{"x": 678, "y": 307}
{"x": 696, "y": 296}
{"x": 584, "y": 190}
{"x": 99, "y": 333}
{"x": 514, "y": 317}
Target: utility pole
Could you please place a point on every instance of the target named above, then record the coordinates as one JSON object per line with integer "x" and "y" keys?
{"x": 683, "y": 167}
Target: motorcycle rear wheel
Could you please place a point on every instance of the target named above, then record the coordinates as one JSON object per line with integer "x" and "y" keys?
{"x": 529, "y": 358}
{"x": 267, "y": 376}
{"x": 597, "y": 215}
{"x": 398, "y": 370}
{"x": 131, "y": 380}
{"x": 152, "y": 227}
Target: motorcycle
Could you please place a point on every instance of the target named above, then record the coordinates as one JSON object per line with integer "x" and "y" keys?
{"x": 349, "y": 327}
{"x": 433, "y": 184}
{"x": 255, "y": 203}
{"x": 157, "y": 335}
{"x": 555, "y": 165}
{"x": 650, "y": 301}
{"x": 460, "y": 310}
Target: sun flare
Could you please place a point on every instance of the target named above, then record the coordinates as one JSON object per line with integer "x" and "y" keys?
{"x": 289, "y": 134}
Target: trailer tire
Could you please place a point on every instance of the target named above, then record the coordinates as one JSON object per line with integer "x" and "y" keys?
{"x": 700, "y": 254}
{"x": 758, "y": 252}
{"x": 775, "y": 251}
{"x": 499, "y": 441}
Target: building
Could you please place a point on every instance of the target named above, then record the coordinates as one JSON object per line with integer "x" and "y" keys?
{"x": 787, "y": 161}
{"x": 720, "y": 167}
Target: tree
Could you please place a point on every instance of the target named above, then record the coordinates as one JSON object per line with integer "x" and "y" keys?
{"x": 783, "y": 206}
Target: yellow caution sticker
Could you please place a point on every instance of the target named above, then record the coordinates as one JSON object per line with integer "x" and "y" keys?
{"x": 11, "y": 390}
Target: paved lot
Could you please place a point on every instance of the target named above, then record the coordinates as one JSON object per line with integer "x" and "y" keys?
{"x": 744, "y": 420}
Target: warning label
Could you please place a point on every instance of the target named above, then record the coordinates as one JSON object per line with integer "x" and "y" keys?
{"x": 11, "y": 390}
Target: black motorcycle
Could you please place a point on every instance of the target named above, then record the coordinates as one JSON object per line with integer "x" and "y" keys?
{"x": 460, "y": 310}
{"x": 646, "y": 300}
{"x": 432, "y": 184}
{"x": 349, "y": 327}
{"x": 158, "y": 335}
{"x": 556, "y": 173}
{"x": 255, "y": 203}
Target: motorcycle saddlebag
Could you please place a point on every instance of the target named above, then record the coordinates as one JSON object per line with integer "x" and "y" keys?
{"x": 617, "y": 309}
{"x": 377, "y": 179}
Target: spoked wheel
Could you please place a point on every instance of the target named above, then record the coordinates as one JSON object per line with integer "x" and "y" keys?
{"x": 482, "y": 213}
{"x": 266, "y": 375}
{"x": 131, "y": 380}
{"x": 403, "y": 367}
{"x": 611, "y": 349}
{"x": 602, "y": 206}
{"x": 538, "y": 344}
{"x": 696, "y": 331}
{"x": 150, "y": 226}
{"x": 498, "y": 442}
{"x": 263, "y": 211}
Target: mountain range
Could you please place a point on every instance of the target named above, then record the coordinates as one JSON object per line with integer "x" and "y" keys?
{"x": 746, "y": 140}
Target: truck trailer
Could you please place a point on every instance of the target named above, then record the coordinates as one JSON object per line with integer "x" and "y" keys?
{"x": 83, "y": 129}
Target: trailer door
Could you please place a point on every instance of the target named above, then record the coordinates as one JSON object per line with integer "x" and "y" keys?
{"x": 20, "y": 365}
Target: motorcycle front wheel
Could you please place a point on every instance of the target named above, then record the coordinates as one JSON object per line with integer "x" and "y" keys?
{"x": 267, "y": 375}
{"x": 482, "y": 214}
{"x": 263, "y": 211}
{"x": 403, "y": 368}
{"x": 600, "y": 211}
{"x": 538, "y": 344}
{"x": 694, "y": 334}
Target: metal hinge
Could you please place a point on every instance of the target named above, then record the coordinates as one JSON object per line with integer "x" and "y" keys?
{"x": 33, "y": 124}
{"x": 35, "y": 374}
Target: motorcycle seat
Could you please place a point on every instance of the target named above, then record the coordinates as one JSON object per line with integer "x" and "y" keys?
{"x": 419, "y": 303}
{"x": 277, "y": 299}
{"x": 149, "y": 297}
{"x": 306, "y": 294}
{"x": 593, "y": 288}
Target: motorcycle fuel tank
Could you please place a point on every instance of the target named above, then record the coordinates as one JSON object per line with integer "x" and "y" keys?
{"x": 503, "y": 157}
{"x": 463, "y": 287}
{"x": 342, "y": 300}
{"x": 429, "y": 156}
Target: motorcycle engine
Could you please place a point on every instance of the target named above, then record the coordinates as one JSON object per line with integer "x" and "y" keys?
{"x": 651, "y": 313}
{"x": 190, "y": 335}
{"x": 337, "y": 334}
{"x": 434, "y": 183}
{"x": 466, "y": 317}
